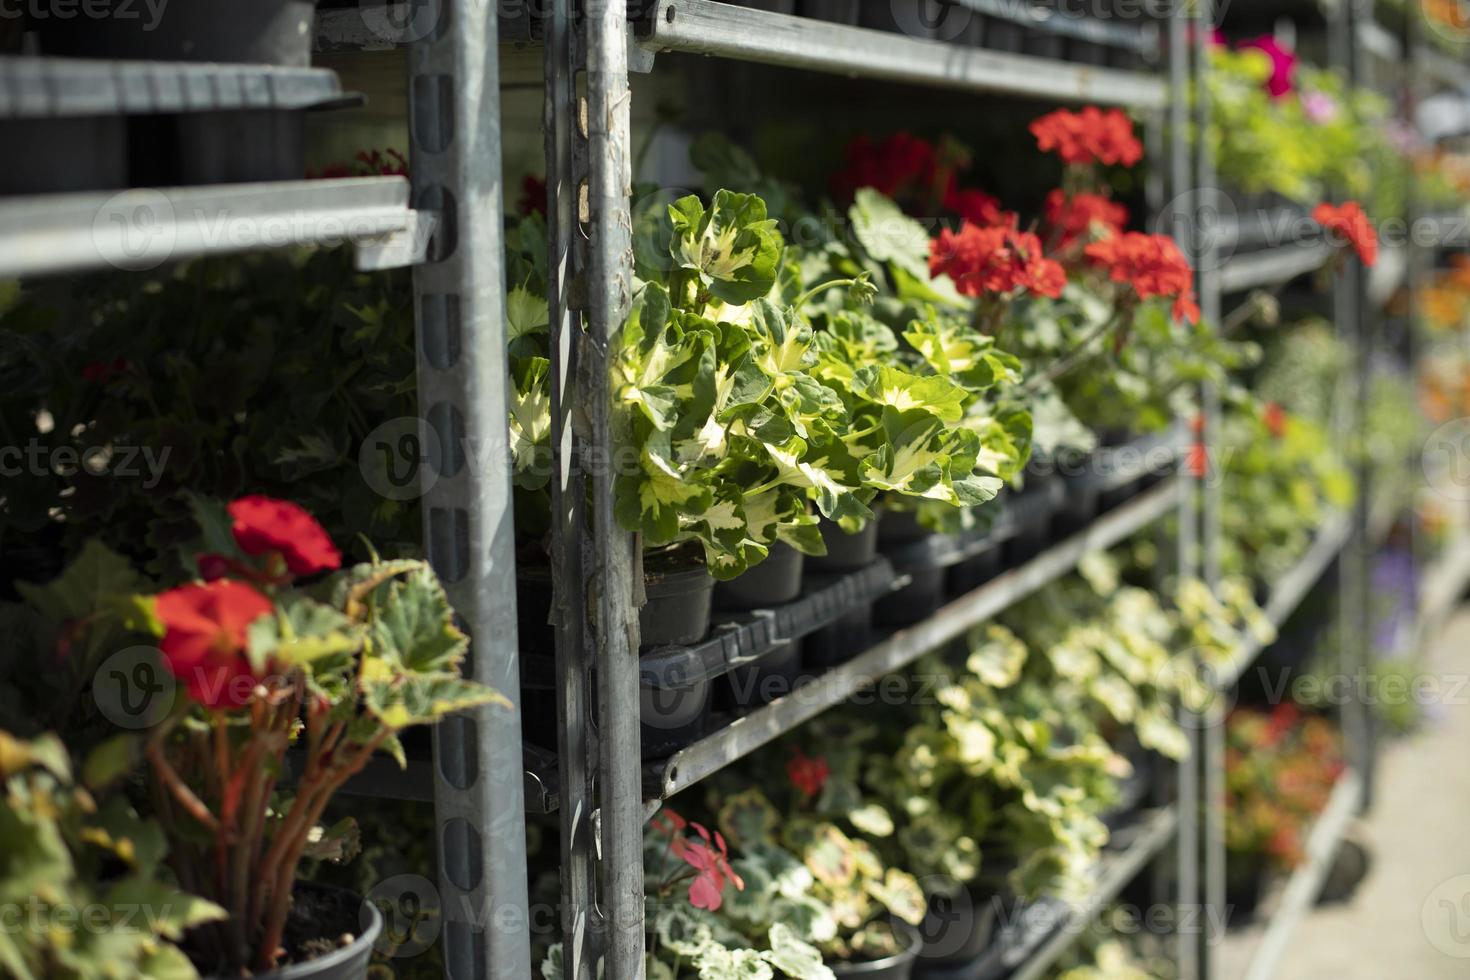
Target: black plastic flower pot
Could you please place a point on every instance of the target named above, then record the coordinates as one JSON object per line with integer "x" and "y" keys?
{"x": 920, "y": 599}
{"x": 672, "y": 718}
{"x": 832, "y": 11}
{"x": 899, "y": 966}
{"x": 958, "y": 929}
{"x": 775, "y": 6}
{"x": 677, "y": 612}
{"x": 678, "y": 607}
{"x": 319, "y": 912}
{"x": 773, "y": 676}
{"x": 270, "y": 32}
{"x": 1087, "y": 53}
{"x": 1003, "y": 35}
{"x": 241, "y": 147}
{"x": 973, "y": 572}
{"x": 836, "y": 644}
{"x": 1079, "y": 504}
{"x": 915, "y": 18}
{"x": 1034, "y": 507}
{"x": 846, "y": 552}
{"x": 774, "y": 581}
{"x": 43, "y": 156}
{"x": 899, "y": 528}
{"x": 1042, "y": 43}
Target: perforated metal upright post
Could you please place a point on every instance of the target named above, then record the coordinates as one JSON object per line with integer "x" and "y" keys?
{"x": 459, "y": 297}
{"x": 589, "y": 156}
{"x": 576, "y": 737}
{"x": 1353, "y": 317}
{"x": 1182, "y": 213}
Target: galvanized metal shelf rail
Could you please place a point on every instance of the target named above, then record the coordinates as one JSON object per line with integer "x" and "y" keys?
{"x": 138, "y": 230}
{"x": 1272, "y": 265}
{"x": 1113, "y": 873}
{"x": 745, "y": 34}
{"x": 1289, "y": 592}
{"x": 745, "y": 735}
{"x": 1301, "y": 889}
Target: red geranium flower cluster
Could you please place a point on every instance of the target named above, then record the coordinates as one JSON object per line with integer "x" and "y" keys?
{"x": 978, "y": 207}
{"x": 1152, "y": 265}
{"x": 1089, "y": 136}
{"x": 709, "y": 857}
{"x": 533, "y": 196}
{"x": 265, "y": 526}
{"x": 205, "y": 626}
{"x": 204, "y": 639}
{"x": 808, "y": 776}
{"x": 1348, "y": 224}
{"x": 1000, "y": 259}
{"x": 1083, "y": 217}
{"x": 900, "y": 164}
{"x": 1274, "y": 417}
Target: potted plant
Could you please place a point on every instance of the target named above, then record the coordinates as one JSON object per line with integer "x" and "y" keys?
{"x": 271, "y": 32}
{"x": 69, "y": 847}
{"x": 273, "y": 645}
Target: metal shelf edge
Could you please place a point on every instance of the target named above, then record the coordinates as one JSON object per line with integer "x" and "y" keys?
{"x": 759, "y": 36}
{"x": 1444, "y": 582}
{"x": 1306, "y": 881}
{"x": 1272, "y": 265}
{"x": 745, "y": 735}
{"x": 1290, "y": 591}
{"x": 1113, "y": 875}
{"x": 141, "y": 229}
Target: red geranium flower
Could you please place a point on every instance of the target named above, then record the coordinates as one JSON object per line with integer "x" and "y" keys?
{"x": 709, "y": 857}
{"x": 101, "y": 372}
{"x": 1152, "y": 265}
{"x": 1275, "y": 418}
{"x": 901, "y": 163}
{"x": 1089, "y": 136}
{"x": 1348, "y": 224}
{"x": 807, "y": 775}
{"x": 978, "y": 207}
{"x": 203, "y": 642}
{"x": 995, "y": 260}
{"x": 264, "y": 525}
{"x": 533, "y": 196}
{"x": 1083, "y": 216}
{"x": 1198, "y": 461}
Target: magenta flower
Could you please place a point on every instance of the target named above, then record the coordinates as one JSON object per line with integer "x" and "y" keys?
{"x": 1319, "y": 107}
{"x": 1283, "y": 64}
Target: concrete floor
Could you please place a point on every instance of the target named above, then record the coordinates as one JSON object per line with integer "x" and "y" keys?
{"x": 1410, "y": 918}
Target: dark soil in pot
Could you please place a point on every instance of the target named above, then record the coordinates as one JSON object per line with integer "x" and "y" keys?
{"x": 897, "y": 967}
{"x": 838, "y": 643}
{"x": 272, "y": 32}
{"x": 772, "y": 676}
{"x": 321, "y": 918}
{"x": 845, "y": 552}
{"x": 920, "y": 599}
{"x": 775, "y": 581}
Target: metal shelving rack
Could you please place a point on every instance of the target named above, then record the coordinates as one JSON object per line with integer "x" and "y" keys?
{"x": 448, "y": 226}
{"x": 603, "y": 797}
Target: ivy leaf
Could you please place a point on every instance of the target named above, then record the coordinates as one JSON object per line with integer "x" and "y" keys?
{"x": 402, "y": 701}
{"x": 530, "y": 424}
{"x": 526, "y": 314}
{"x": 413, "y": 625}
{"x": 300, "y": 631}
{"x": 899, "y": 390}
{"x": 795, "y": 958}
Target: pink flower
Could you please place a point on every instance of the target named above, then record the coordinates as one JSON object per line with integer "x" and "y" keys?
{"x": 1283, "y": 64}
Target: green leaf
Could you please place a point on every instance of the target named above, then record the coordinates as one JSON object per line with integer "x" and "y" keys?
{"x": 405, "y": 700}
{"x": 732, "y": 245}
{"x": 795, "y": 958}
{"x": 299, "y": 632}
{"x": 889, "y": 235}
{"x": 413, "y": 626}
{"x": 96, "y": 574}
